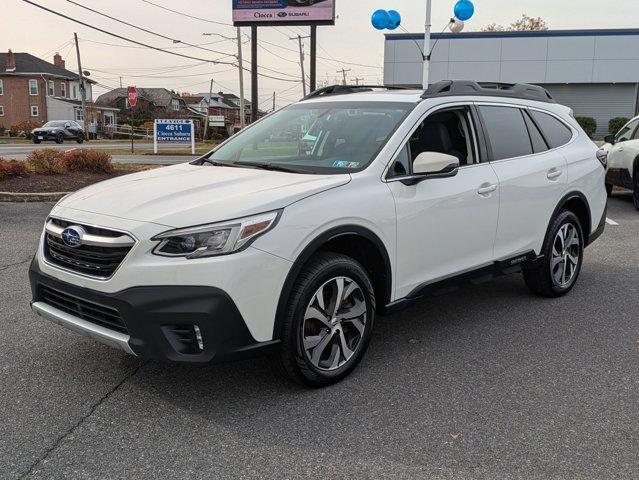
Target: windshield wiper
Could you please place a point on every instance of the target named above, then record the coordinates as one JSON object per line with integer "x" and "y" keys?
{"x": 267, "y": 166}
{"x": 215, "y": 163}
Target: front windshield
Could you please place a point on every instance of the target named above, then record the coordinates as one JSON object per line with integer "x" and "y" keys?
{"x": 330, "y": 137}
{"x": 55, "y": 124}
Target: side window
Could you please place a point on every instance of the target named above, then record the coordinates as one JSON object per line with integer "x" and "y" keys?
{"x": 626, "y": 132}
{"x": 556, "y": 133}
{"x": 402, "y": 163}
{"x": 536, "y": 138}
{"x": 507, "y": 132}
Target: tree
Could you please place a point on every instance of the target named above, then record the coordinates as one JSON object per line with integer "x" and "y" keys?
{"x": 524, "y": 24}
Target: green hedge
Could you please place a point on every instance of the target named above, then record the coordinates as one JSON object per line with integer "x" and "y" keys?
{"x": 616, "y": 124}
{"x": 589, "y": 125}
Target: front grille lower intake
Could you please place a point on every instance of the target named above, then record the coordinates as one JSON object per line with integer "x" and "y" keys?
{"x": 99, "y": 254}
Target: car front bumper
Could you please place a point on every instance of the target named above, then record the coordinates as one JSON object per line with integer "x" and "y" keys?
{"x": 157, "y": 322}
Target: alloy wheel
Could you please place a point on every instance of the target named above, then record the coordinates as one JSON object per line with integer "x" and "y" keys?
{"x": 566, "y": 252}
{"x": 334, "y": 323}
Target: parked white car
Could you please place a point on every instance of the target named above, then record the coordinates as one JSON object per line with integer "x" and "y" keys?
{"x": 271, "y": 248}
{"x": 623, "y": 159}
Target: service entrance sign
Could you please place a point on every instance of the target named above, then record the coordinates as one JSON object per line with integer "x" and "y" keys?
{"x": 277, "y": 12}
{"x": 173, "y": 131}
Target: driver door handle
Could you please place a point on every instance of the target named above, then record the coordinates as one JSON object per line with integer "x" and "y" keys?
{"x": 487, "y": 189}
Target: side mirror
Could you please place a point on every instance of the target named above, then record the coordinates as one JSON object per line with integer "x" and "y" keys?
{"x": 67, "y": 125}
{"x": 609, "y": 139}
{"x": 435, "y": 163}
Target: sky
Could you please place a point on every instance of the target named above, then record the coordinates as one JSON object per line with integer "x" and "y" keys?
{"x": 351, "y": 44}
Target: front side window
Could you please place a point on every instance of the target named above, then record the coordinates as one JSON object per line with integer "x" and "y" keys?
{"x": 626, "y": 132}
{"x": 34, "y": 111}
{"x": 327, "y": 137}
{"x": 557, "y": 133}
{"x": 51, "y": 88}
{"x": 33, "y": 87}
{"x": 507, "y": 132}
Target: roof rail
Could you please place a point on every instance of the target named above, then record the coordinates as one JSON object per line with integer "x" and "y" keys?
{"x": 345, "y": 89}
{"x": 447, "y": 88}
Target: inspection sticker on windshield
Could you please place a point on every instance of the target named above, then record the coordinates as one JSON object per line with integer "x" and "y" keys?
{"x": 344, "y": 164}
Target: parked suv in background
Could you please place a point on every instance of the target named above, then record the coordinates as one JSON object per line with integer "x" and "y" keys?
{"x": 58, "y": 131}
{"x": 262, "y": 246}
{"x": 623, "y": 159}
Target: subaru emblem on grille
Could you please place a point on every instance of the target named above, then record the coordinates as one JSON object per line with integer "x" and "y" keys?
{"x": 72, "y": 236}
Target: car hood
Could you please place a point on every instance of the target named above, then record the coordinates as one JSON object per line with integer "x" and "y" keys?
{"x": 185, "y": 195}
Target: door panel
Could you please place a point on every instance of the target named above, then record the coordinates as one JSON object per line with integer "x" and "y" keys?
{"x": 445, "y": 226}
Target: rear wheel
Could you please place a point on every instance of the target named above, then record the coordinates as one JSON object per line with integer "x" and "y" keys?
{"x": 329, "y": 321}
{"x": 635, "y": 190}
{"x": 36, "y": 140}
{"x": 80, "y": 139}
{"x": 558, "y": 271}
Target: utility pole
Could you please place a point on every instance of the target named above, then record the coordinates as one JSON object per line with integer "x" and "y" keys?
{"x": 120, "y": 82}
{"x": 83, "y": 93}
{"x": 273, "y": 101}
{"x": 427, "y": 27}
{"x": 208, "y": 112}
{"x": 313, "y": 83}
{"x": 241, "y": 65}
{"x": 299, "y": 38}
{"x": 344, "y": 71}
{"x": 357, "y": 80}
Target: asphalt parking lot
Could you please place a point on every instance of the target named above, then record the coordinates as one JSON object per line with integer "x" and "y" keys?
{"x": 485, "y": 383}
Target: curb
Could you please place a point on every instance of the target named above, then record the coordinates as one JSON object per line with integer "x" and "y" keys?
{"x": 31, "y": 197}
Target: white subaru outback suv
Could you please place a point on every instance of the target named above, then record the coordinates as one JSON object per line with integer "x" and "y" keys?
{"x": 623, "y": 159}
{"x": 289, "y": 237}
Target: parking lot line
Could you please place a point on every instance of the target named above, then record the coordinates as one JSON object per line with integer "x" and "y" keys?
{"x": 611, "y": 222}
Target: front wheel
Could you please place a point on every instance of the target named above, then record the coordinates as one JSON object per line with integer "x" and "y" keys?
{"x": 329, "y": 320}
{"x": 557, "y": 273}
{"x": 59, "y": 138}
{"x": 635, "y": 190}
{"x": 80, "y": 139}
{"x": 36, "y": 140}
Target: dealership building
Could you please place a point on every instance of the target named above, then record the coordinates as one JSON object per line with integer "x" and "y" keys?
{"x": 595, "y": 72}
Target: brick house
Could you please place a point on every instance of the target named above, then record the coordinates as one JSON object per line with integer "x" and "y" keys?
{"x": 36, "y": 90}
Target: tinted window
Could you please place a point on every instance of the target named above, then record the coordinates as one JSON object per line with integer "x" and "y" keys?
{"x": 537, "y": 140}
{"x": 507, "y": 132}
{"x": 401, "y": 166}
{"x": 556, "y": 133}
{"x": 626, "y": 132}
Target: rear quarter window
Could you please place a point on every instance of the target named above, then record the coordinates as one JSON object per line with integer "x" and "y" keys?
{"x": 557, "y": 134}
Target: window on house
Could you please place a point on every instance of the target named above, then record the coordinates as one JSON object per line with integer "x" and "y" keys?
{"x": 63, "y": 89}
{"x": 176, "y": 105}
{"x": 33, "y": 87}
{"x": 1, "y": 110}
{"x": 51, "y": 88}
{"x": 79, "y": 115}
{"x": 75, "y": 91}
{"x": 34, "y": 111}
{"x": 1, "y": 88}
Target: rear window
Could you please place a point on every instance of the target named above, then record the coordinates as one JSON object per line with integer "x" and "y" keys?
{"x": 507, "y": 132}
{"x": 557, "y": 133}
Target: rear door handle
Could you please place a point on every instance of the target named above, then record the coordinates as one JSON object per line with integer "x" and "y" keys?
{"x": 554, "y": 173}
{"x": 486, "y": 189}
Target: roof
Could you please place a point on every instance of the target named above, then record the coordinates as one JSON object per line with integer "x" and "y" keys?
{"x": 192, "y": 100}
{"x": 161, "y": 97}
{"x": 27, "y": 63}
{"x": 518, "y": 34}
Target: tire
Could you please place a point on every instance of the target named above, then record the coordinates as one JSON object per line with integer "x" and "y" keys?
{"x": 80, "y": 139}
{"x": 342, "y": 342}
{"x": 609, "y": 188}
{"x": 635, "y": 189}
{"x": 549, "y": 279}
{"x": 36, "y": 141}
{"x": 59, "y": 138}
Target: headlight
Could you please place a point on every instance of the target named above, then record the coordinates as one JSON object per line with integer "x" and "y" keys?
{"x": 214, "y": 239}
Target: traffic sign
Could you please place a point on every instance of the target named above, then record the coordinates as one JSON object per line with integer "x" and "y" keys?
{"x": 173, "y": 130}
{"x": 133, "y": 96}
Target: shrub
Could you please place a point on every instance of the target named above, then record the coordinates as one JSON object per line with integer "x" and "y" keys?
{"x": 12, "y": 168}
{"x": 23, "y": 128}
{"x": 46, "y": 161}
{"x": 589, "y": 125}
{"x": 87, "y": 160}
{"x": 616, "y": 124}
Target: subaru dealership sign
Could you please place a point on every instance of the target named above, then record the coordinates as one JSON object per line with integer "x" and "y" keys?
{"x": 173, "y": 131}
{"x": 291, "y": 12}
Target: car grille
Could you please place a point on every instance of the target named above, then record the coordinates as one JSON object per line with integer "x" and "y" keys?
{"x": 91, "y": 312}
{"x": 99, "y": 255}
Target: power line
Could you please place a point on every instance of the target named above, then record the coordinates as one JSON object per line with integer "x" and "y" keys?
{"x": 122, "y": 37}
{"x": 187, "y": 15}
{"x": 174, "y": 40}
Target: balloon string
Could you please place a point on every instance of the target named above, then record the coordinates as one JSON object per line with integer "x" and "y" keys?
{"x": 424, "y": 56}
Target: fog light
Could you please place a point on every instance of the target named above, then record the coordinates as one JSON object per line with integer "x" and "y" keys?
{"x": 198, "y": 337}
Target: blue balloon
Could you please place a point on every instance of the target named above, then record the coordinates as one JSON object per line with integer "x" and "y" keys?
{"x": 381, "y": 19}
{"x": 464, "y": 10}
{"x": 395, "y": 19}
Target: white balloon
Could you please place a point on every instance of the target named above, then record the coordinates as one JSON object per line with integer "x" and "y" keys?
{"x": 456, "y": 25}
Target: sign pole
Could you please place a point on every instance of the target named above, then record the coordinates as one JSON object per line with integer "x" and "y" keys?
{"x": 313, "y": 85}
{"x": 155, "y": 137}
{"x": 427, "y": 28}
{"x": 131, "y": 128}
{"x": 254, "y": 90}
{"x": 193, "y": 137}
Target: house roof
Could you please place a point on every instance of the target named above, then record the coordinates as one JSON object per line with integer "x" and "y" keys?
{"x": 160, "y": 97}
{"x": 192, "y": 100}
{"x": 27, "y": 63}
